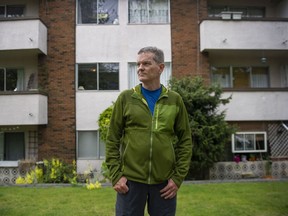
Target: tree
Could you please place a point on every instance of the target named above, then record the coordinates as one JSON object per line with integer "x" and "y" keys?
{"x": 210, "y": 131}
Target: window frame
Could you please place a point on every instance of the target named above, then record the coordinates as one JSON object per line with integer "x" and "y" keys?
{"x": 232, "y": 78}
{"x": 79, "y": 12}
{"x": 5, "y": 15}
{"x": 249, "y": 150}
{"x": 78, "y": 86}
{"x": 148, "y": 15}
{"x": 98, "y": 143}
{"x": 20, "y": 82}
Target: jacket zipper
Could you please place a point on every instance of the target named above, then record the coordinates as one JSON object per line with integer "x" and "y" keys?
{"x": 151, "y": 141}
{"x": 156, "y": 112}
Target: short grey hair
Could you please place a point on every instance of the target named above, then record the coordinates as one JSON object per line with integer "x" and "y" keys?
{"x": 158, "y": 53}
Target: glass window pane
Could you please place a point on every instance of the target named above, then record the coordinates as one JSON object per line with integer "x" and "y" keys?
{"x": 87, "y": 11}
{"x": 108, "y": 12}
{"x": 241, "y": 77}
{"x": 15, "y": 10}
{"x": 109, "y": 76}
{"x": 221, "y": 76}
{"x": 249, "y": 142}
{"x": 260, "y": 142}
{"x": 239, "y": 142}
{"x": 138, "y": 11}
{"x": 11, "y": 79}
{"x": 87, "y": 144}
{"x": 2, "y": 79}
{"x": 259, "y": 77}
{"x": 87, "y": 76}
{"x": 102, "y": 148}
{"x": 2, "y": 11}
{"x": 158, "y": 11}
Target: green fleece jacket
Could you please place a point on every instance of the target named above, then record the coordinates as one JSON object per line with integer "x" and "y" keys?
{"x": 145, "y": 148}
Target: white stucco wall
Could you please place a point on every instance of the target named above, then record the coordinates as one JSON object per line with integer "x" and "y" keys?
{"x": 243, "y": 35}
{"x": 256, "y": 106}
{"x": 29, "y": 109}
{"x": 23, "y": 34}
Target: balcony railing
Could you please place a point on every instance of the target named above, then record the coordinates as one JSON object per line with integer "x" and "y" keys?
{"x": 30, "y": 34}
{"x": 23, "y": 108}
{"x": 243, "y": 35}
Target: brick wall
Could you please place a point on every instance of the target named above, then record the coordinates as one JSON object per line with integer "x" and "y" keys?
{"x": 57, "y": 77}
{"x": 186, "y": 57}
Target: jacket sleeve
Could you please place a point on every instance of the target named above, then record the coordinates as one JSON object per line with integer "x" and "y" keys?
{"x": 183, "y": 148}
{"x": 113, "y": 157}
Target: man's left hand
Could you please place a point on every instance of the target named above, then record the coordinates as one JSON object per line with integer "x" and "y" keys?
{"x": 170, "y": 190}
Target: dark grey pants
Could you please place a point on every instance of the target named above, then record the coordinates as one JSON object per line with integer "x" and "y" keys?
{"x": 134, "y": 201}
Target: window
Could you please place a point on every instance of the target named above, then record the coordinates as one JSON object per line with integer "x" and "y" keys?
{"x": 90, "y": 146}
{"x": 11, "y": 79}
{"x": 249, "y": 142}
{"x": 12, "y": 146}
{"x": 98, "y": 76}
{"x": 148, "y": 11}
{"x": 133, "y": 77}
{"x": 12, "y": 10}
{"x": 98, "y": 11}
{"x": 249, "y": 12}
{"x": 240, "y": 77}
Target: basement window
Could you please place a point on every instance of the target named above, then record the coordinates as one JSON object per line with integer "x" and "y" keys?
{"x": 249, "y": 142}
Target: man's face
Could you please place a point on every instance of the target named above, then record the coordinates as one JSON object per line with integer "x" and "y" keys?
{"x": 147, "y": 69}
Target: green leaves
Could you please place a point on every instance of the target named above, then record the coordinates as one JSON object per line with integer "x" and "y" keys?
{"x": 210, "y": 131}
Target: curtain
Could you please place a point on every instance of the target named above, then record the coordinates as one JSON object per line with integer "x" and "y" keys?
{"x": 259, "y": 81}
{"x": 148, "y": 11}
{"x": 222, "y": 79}
{"x": 20, "y": 80}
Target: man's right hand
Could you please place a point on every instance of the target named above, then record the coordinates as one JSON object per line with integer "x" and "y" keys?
{"x": 121, "y": 186}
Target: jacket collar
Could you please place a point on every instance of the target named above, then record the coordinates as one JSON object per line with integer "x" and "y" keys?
{"x": 137, "y": 91}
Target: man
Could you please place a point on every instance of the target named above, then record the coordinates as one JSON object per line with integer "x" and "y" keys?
{"x": 149, "y": 147}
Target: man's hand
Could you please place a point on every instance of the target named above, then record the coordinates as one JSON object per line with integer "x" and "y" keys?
{"x": 170, "y": 190}
{"x": 121, "y": 186}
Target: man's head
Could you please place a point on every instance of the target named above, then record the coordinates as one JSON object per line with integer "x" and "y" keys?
{"x": 150, "y": 65}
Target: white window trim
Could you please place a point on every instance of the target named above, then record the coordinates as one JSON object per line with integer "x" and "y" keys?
{"x": 249, "y": 151}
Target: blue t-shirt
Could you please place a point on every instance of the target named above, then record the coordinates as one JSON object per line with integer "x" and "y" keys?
{"x": 151, "y": 97}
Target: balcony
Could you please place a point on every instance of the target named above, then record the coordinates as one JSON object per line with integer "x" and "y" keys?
{"x": 23, "y": 108}
{"x": 243, "y": 35}
{"x": 257, "y": 105}
{"x": 30, "y": 34}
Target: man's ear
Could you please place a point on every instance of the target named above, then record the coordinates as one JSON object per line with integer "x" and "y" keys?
{"x": 162, "y": 66}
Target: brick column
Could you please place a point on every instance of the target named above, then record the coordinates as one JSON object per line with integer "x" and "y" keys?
{"x": 186, "y": 16}
{"x": 57, "y": 78}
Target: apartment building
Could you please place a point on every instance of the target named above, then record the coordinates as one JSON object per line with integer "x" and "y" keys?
{"x": 63, "y": 62}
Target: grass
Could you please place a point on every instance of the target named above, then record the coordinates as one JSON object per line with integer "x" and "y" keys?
{"x": 223, "y": 199}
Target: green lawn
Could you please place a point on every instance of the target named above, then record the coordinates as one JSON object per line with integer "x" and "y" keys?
{"x": 208, "y": 199}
